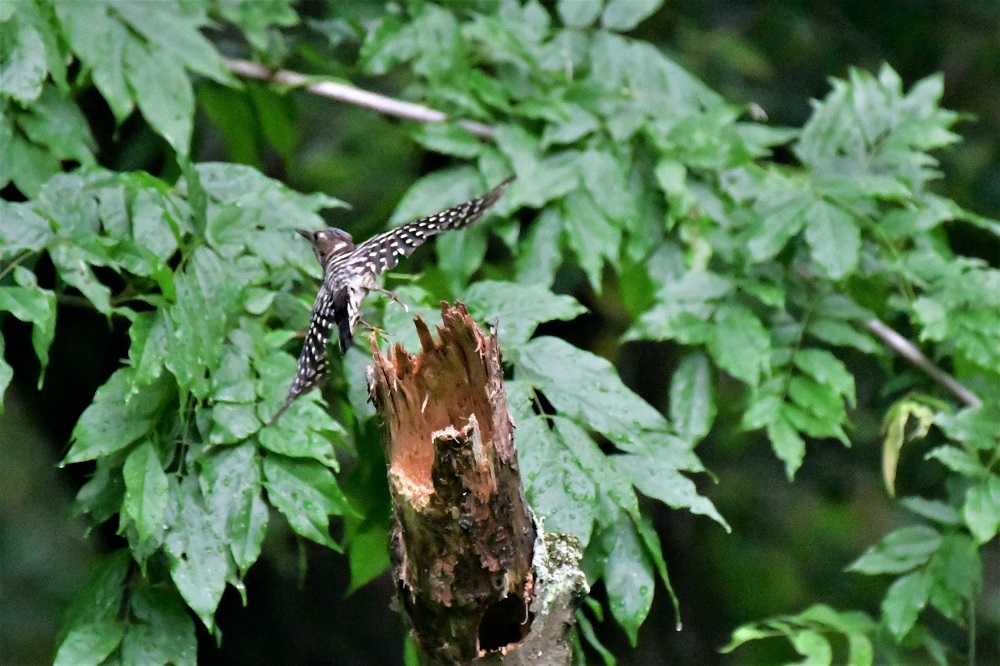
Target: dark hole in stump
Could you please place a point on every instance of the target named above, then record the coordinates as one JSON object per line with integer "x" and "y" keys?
{"x": 505, "y": 622}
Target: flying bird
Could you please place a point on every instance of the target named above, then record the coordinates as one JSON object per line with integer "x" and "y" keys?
{"x": 349, "y": 273}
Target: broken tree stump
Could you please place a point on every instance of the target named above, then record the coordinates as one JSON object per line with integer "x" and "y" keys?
{"x": 464, "y": 537}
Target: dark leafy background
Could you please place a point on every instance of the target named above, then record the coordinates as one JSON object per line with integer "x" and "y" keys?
{"x": 760, "y": 547}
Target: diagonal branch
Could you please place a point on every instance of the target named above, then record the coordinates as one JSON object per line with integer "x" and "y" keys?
{"x": 352, "y": 95}
{"x": 400, "y": 109}
{"x": 912, "y": 353}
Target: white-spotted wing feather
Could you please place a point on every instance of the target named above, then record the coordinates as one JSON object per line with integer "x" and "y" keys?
{"x": 382, "y": 252}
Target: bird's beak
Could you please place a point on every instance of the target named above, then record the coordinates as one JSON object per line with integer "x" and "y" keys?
{"x": 308, "y": 235}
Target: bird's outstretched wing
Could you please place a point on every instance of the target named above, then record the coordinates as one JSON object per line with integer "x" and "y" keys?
{"x": 383, "y": 251}
{"x": 339, "y": 300}
{"x": 313, "y": 362}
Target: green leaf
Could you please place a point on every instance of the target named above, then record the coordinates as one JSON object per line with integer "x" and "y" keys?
{"x": 162, "y": 631}
{"x": 265, "y": 202}
{"x": 819, "y": 400}
{"x": 628, "y": 575}
{"x": 623, "y": 15}
{"x": 146, "y": 491}
{"x": 591, "y": 235}
{"x": 739, "y": 343}
{"x": 233, "y": 380}
{"x": 692, "y": 397}
{"x": 904, "y": 601}
{"x": 813, "y": 646}
{"x": 27, "y": 165}
{"x": 956, "y": 571}
{"x": 306, "y": 431}
{"x": 198, "y": 553}
{"x": 932, "y": 510}
{"x": 539, "y": 180}
{"x": 24, "y": 68}
{"x": 176, "y": 32}
{"x": 89, "y": 643}
{"x": 974, "y": 426}
{"x": 99, "y": 599}
{"x": 6, "y": 373}
{"x": 37, "y": 306}
{"x": 437, "y": 191}
{"x": 102, "y": 495}
{"x": 579, "y": 13}
{"x": 746, "y": 633}
{"x": 981, "y": 510}
{"x": 834, "y": 239}
{"x": 163, "y": 92}
{"x": 901, "y": 550}
{"x": 586, "y": 629}
{"x": 231, "y": 483}
{"x": 541, "y": 250}
{"x": 392, "y": 41}
{"x": 828, "y": 370}
{"x": 307, "y": 494}
{"x": 932, "y": 317}
{"x": 99, "y": 41}
{"x": 604, "y": 177}
{"x": 233, "y": 422}
{"x": 152, "y": 224}
{"x": 587, "y": 389}
{"x": 368, "y": 555}
{"x": 461, "y": 253}
{"x": 957, "y": 460}
{"x": 91, "y": 631}
{"x": 788, "y": 445}
{"x": 671, "y": 176}
{"x": 518, "y": 308}
{"x": 58, "y": 124}
{"x": 780, "y": 214}
{"x": 120, "y": 414}
{"x": 258, "y": 300}
{"x": 860, "y": 651}
{"x": 556, "y": 485}
{"x": 845, "y": 622}
{"x": 151, "y": 333}
{"x": 685, "y": 304}
{"x": 659, "y": 477}
{"x": 574, "y": 123}
{"x": 232, "y": 112}
{"x": 258, "y": 20}
{"x": 447, "y": 139}
{"x": 74, "y": 267}
{"x": 23, "y": 230}
{"x": 842, "y": 333}
{"x": 205, "y": 291}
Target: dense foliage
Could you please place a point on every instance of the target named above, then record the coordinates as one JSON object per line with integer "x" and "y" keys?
{"x": 762, "y": 254}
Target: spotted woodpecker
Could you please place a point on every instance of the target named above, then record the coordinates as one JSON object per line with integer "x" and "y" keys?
{"x": 349, "y": 273}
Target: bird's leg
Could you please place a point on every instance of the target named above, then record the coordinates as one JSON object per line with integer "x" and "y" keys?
{"x": 392, "y": 295}
{"x": 374, "y": 329}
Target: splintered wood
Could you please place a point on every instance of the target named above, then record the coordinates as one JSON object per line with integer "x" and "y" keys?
{"x": 464, "y": 536}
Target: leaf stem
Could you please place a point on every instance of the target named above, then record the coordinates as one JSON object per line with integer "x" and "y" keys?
{"x": 15, "y": 263}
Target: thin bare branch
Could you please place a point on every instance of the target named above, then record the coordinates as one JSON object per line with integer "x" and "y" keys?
{"x": 352, "y": 95}
{"x": 398, "y": 108}
{"x": 912, "y": 353}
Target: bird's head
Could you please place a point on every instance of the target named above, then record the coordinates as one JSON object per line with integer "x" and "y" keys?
{"x": 328, "y": 243}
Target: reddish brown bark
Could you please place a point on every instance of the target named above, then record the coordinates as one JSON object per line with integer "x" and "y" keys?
{"x": 464, "y": 535}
